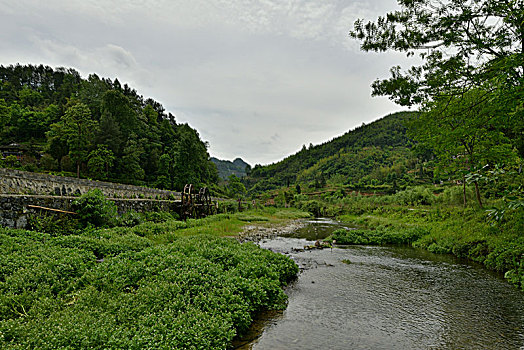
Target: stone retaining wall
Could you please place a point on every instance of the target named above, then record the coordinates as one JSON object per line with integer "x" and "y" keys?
{"x": 22, "y": 182}
{"x": 14, "y": 210}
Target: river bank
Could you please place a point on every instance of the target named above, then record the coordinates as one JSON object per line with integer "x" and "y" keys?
{"x": 462, "y": 232}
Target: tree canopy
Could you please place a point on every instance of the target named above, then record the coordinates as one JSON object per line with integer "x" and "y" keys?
{"x": 469, "y": 86}
{"x": 98, "y": 128}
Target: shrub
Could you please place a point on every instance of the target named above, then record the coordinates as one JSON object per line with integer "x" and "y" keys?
{"x": 313, "y": 207}
{"x": 130, "y": 218}
{"x": 54, "y": 224}
{"x": 93, "y": 208}
{"x": 160, "y": 216}
{"x": 197, "y": 293}
{"x": 415, "y": 196}
{"x": 379, "y": 236}
{"x": 455, "y": 195}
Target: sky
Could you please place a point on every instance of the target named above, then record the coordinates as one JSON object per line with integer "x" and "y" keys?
{"x": 258, "y": 79}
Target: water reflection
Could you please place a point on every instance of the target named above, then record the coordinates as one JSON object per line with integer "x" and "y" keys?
{"x": 390, "y": 298}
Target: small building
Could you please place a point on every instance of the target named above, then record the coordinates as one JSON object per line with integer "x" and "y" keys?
{"x": 13, "y": 149}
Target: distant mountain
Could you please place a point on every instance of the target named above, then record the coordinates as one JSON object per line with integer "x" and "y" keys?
{"x": 226, "y": 168}
{"x": 372, "y": 154}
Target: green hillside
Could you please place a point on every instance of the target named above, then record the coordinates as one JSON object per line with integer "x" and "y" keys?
{"x": 370, "y": 155}
{"x": 56, "y": 121}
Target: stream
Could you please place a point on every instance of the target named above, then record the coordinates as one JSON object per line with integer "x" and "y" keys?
{"x": 361, "y": 297}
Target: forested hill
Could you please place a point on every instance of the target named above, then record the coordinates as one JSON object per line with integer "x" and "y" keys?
{"x": 95, "y": 127}
{"x": 375, "y": 153}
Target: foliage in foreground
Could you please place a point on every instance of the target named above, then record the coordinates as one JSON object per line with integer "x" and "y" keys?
{"x": 115, "y": 289}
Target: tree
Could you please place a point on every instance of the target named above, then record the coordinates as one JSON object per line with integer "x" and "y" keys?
{"x": 463, "y": 45}
{"x": 236, "y": 188}
{"x": 190, "y": 159}
{"x": 100, "y": 160}
{"x": 462, "y": 130}
{"x": 469, "y": 86}
{"x": 109, "y": 133}
{"x": 4, "y": 115}
{"x": 78, "y": 128}
{"x": 164, "y": 178}
{"x": 57, "y": 142}
{"x": 119, "y": 106}
{"x": 151, "y": 115}
{"x": 74, "y": 115}
{"x": 130, "y": 162}
{"x": 460, "y": 42}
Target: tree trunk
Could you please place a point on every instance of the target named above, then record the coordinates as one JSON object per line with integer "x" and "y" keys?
{"x": 477, "y": 192}
{"x": 78, "y": 170}
{"x": 464, "y": 191}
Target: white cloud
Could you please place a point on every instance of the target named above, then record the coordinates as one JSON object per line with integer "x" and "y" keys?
{"x": 257, "y": 78}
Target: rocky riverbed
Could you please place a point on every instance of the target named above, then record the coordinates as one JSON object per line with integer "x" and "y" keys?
{"x": 275, "y": 239}
{"x": 257, "y": 233}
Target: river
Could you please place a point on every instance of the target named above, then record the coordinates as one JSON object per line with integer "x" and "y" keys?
{"x": 361, "y": 297}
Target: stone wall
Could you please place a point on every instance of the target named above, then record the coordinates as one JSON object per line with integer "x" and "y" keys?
{"x": 14, "y": 210}
{"x": 22, "y": 182}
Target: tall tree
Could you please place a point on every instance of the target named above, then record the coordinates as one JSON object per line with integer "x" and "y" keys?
{"x": 463, "y": 45}
{"x": 100, "y": 160}
{"x": 472, "y": 55}
{"x": 460, "y": 42}
{"x": 79, "y": 128}
{"x": 462, "y": 130}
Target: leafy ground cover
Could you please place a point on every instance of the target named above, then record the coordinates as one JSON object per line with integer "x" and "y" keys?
{"x": 169, "y": 285}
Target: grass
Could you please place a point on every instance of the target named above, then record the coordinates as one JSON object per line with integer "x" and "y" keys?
{"x": 464, "y": 232}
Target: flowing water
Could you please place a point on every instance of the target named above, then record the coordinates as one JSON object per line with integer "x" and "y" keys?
{"x": 387, "y": 298}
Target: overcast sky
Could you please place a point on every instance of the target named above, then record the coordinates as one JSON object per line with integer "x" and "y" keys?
{"x": 257, "y": 79}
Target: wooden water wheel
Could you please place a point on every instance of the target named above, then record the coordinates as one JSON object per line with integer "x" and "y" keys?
{"x": 204, "y": 202}
{"x": 188, "y": 205}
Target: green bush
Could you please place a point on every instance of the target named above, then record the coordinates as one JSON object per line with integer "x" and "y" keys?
{"x": 454, "y": 195}
{"x": 379, "y": 236}
{"x": 93, "y": 208}
{"x": 130, "y": 218}
{"x": 313, "y": 207}
{"x": 418, "y": 195}
{"x": 160, "y": 216}
{"x": 54, "y": 224}
{"x": 228, "y": 207}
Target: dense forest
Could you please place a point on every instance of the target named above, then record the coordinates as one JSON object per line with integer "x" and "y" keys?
{"x": 96, "y": 128}
{"x": 370, "y": 155}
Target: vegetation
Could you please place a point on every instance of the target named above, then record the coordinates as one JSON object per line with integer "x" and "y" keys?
{"x": 411, "y": 178}
{"x": 438, "y": 223}
{"x": 469, "y": 85}
{"x": 97, "y": 128}
{"x": 155, "y": 284}
{"x": 93, "y": 208}
{"x": 369, "y": 156}
{"x": 421, "y": 178}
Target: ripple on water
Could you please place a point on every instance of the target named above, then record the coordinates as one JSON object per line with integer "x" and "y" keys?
{"x": 392, "y": 298}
